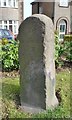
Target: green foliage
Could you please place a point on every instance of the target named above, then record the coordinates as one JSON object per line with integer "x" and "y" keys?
{"x": 9, "y": 55}
{"x": 4, "y": 41}
{"x": 58, "y": 51}
{"x": 68, "y": 37}
{"x": 63, "y": 51}
{"x": 68, "y": 49}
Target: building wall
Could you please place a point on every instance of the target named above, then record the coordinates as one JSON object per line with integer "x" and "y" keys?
{"x": 47, "y": 8}
{"x": 8, "y": 14}
{"x": 62, "y": 13}
{"x": 71, "y": 17}
{"x": 20, "y": 11}
{"x": 11, "y": 16}
{"x": 55, "y": 12}
{"x": 35, "y": 8}
{"x": 9, "y": 19}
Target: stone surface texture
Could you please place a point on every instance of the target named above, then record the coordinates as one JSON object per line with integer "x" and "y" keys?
{"x": 37, "y": 65}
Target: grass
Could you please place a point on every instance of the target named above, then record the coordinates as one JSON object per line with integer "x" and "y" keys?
{"x": 10, "y": 98}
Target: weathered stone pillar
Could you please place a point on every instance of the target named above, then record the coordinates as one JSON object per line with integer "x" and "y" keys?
{"x": 37, "y": 65}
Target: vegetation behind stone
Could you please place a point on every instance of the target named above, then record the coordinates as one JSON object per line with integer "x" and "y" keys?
{"x": 9, "y": 53}
{"x": 63, "y": 51}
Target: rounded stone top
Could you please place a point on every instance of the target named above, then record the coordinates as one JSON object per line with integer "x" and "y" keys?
{"x": 43, "y": 18}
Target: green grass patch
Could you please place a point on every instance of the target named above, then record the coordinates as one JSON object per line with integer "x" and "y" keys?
{"x": 11, "y": 91}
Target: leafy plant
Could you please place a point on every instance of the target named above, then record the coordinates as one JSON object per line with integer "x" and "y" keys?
{"x": 10, "y": 58}
{"x": 58, "y": 51}
{"x": 68, "y": 37}
{"x": 63, "y": 51}
{"x": 4, "y": 41}
{"x": 68, "y": 48}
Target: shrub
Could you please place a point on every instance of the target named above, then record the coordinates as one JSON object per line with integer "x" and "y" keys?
{"x": 4, "y": 41}
{"x": 58, "y": 51}
{"x": 68, "y": 38}
{"x": 68, "y": 47}
{"x": 10, "y": 58}
{"x": 63, "y": 51}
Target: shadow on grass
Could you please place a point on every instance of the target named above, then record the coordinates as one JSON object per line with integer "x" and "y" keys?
{"x": 58, "y": 95}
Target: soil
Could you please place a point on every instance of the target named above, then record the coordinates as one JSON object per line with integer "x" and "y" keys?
{"x": 15, "y": 73}
{"x": 66, "y": 66}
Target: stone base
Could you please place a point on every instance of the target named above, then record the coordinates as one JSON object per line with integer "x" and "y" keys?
{"x": 34, "y": 110}
{"x": 30, "y": 109}
{"x": 52, "y": 104}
